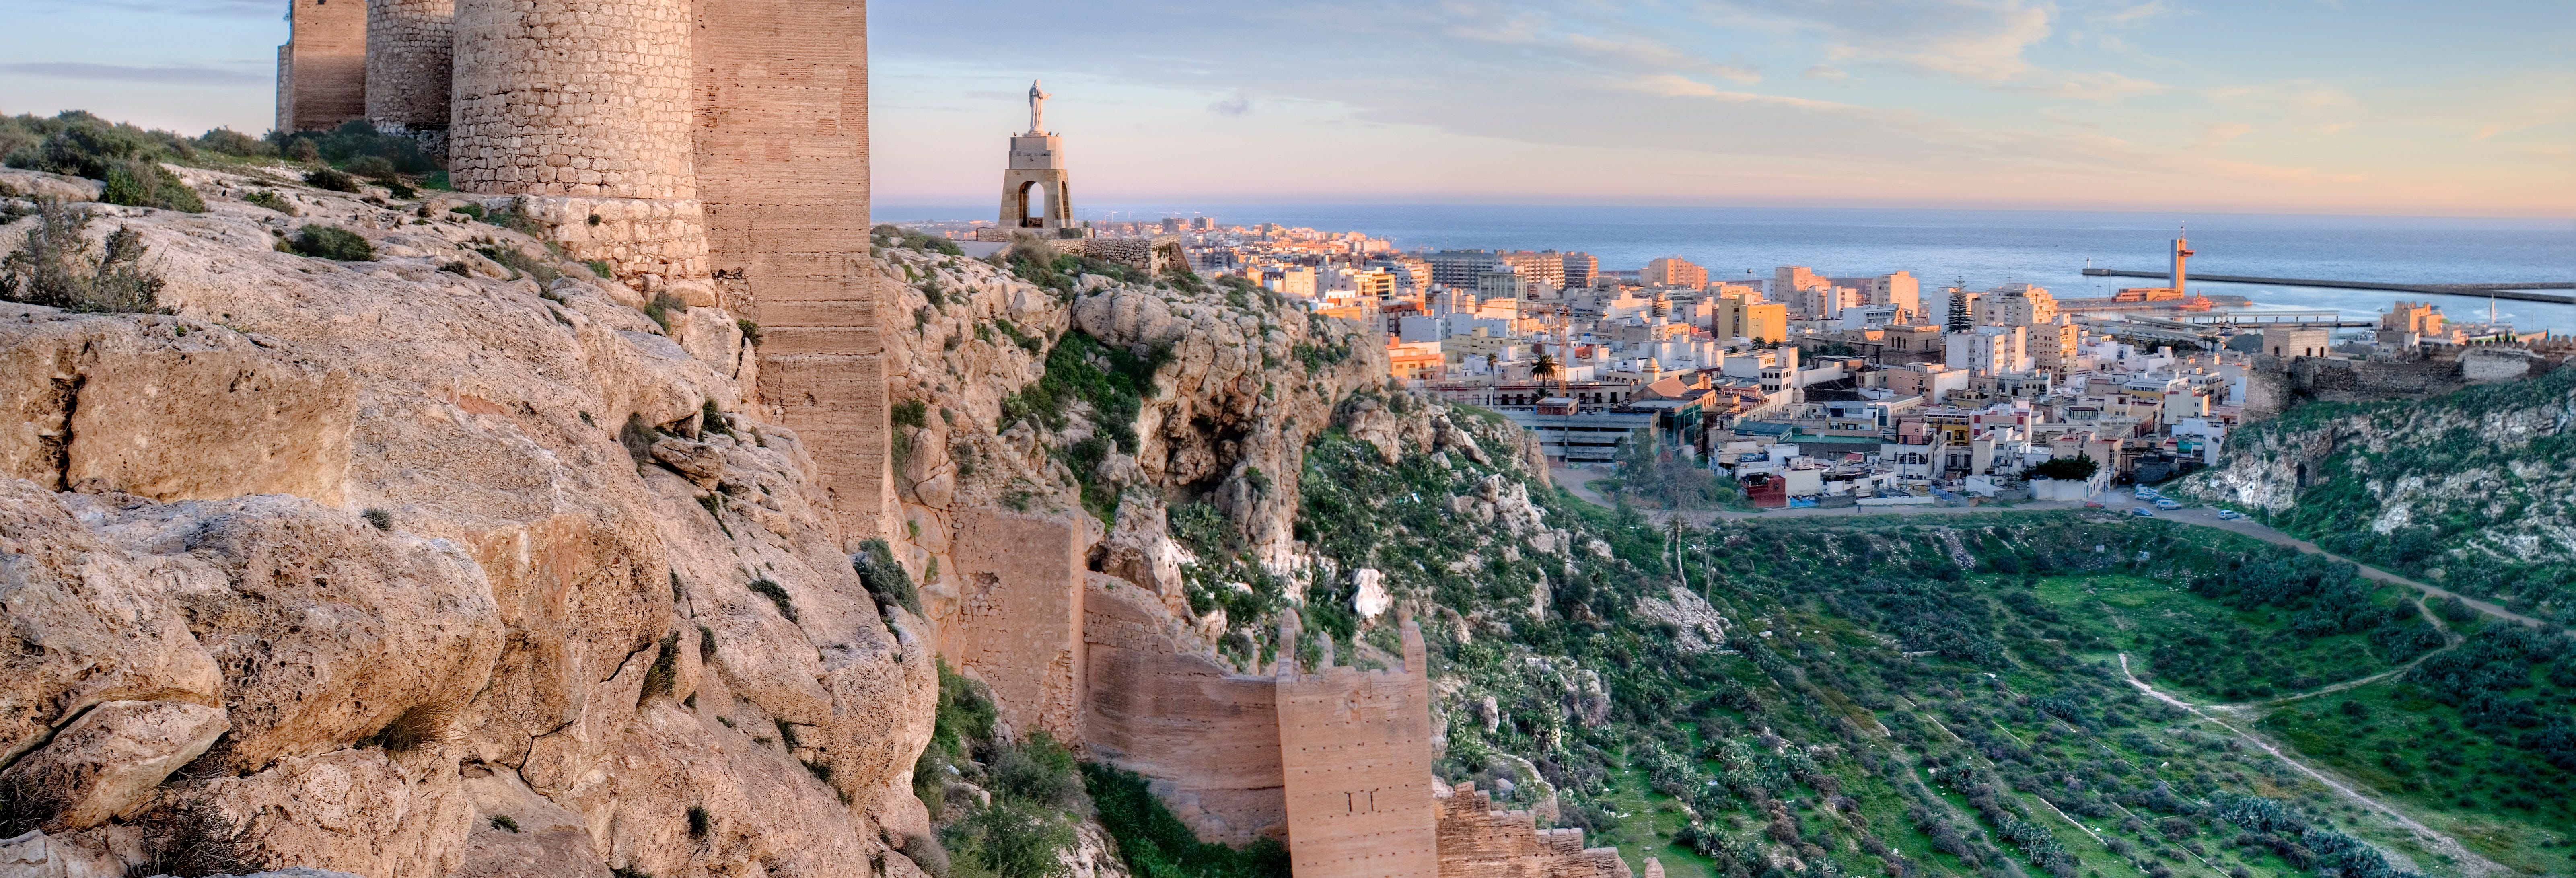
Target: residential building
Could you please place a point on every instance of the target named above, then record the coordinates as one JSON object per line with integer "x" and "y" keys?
{"x": 1992, "y": 350}
{"x": 1748, "y": 317}
{"x": 2014, "y": 304}
{"x": 1579, "y": 269}
{"x": 1673, "y": 271}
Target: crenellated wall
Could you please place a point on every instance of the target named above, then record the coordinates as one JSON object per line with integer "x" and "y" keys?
{"x": 1355, "y": 755}
{"x": 1479, "y": 841}
{"x": 411, "y": 47}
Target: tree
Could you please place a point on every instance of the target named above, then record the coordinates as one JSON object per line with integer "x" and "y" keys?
{"x": 2073, "y": 469}
{"x": 1544, "y": 369}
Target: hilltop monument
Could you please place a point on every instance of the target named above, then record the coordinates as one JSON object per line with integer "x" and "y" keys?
{"x": 1034, "y": 193}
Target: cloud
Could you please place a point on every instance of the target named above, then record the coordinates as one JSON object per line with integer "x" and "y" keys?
{"x": 1233, "y": 106}
{"x": 121, "y": 73}
{"x": 2097, "y": 86}
{"x": 2216, "y": 134}
{"x": 2135, "y": 14}
{"x": 1974, "y": 40}
{"x": 1824, "y": 72}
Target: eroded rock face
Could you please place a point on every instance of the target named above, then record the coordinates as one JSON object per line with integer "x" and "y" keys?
{"x": 428, "y": 548}
{"x": 107, "y": 763}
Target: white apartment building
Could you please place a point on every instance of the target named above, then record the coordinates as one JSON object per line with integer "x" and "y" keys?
{"x": 1988, "y": 350}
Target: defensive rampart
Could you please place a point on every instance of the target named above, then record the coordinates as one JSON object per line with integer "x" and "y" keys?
{"x": 322, "y": 69}
{"x": 1017, "y": 624}
{"x": 1208, "y": 739}
{"x": 1355, "y": 754}
{"x": 410, "y": 47}
{"x": 1479, "y": 841}
{"x": 781, "y": 152}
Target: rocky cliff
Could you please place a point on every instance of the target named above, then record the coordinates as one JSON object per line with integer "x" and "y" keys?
{"x": 2475, "y": 488}
{"x": 457, "y": 561}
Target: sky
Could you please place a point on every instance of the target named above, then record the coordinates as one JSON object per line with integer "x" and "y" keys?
{"x": 2298, "y": 106}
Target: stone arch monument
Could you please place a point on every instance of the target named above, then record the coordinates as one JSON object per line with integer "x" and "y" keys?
{"x": 1035, "y": 193}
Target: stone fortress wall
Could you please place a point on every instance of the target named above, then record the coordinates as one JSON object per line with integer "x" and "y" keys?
{"x": 410, "y": 50}
{"x": 585, "y": 109}
{"x": 1355, "y": 754}
{"x": 781, "y": 152}
{"x": 322, "y": 69}
{"x": 1209, "y": 738}
{"x": 1017, "y": 624}
{"x": 1478, "y": 840}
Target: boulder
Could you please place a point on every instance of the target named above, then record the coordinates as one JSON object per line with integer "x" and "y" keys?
{"x": 108, "y": 763}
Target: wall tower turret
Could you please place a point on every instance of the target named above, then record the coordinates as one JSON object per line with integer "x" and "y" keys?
{"x": 411, "y": 48}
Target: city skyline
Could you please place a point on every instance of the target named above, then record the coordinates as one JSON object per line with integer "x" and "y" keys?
{"x": 2368, "y": 108}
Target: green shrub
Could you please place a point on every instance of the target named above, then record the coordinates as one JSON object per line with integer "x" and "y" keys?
{"x": 472, "y": 210}
{"x": 136, "y": 183}
{"x": 600, "y": 267}
{"x": 234, "y": 143}
{"x": 777, "y": 595}
{"x": 700, "y": 822}
{"x": 331, "y": 178}
{"x": 381, "y": 519}
{"x": 52, "y": 267}
{"x": 82, "y": 145}
{"x": 897, "y": 236}
{"x": 665, "y": 671}
{"x": 272, "y": 201}
{"x": 333, "y": 243}
{"x": 750, "y": 330}
{"x": 885, "y": 577}
{"x": 662, "y": 307}
{"x": 1156, "y": 844}
{"x": 521, "y": 264}
{"x": 504, "y": 823}
{"x": 965, "y": 716}
{"x": 1012, "y": 841}
{"x": 357, "y": 142}
{"x": 1040, "y": 772}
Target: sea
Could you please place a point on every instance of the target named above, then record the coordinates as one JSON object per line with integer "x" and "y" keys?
{"x": 1976, "y": 248}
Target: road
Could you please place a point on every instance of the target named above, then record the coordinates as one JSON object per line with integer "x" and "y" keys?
{"x": 1579, "y": 481}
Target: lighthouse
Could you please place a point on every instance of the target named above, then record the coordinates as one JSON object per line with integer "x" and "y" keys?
{"x": 2181, "y": 254}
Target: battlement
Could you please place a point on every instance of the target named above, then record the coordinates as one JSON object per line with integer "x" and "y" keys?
{"x": 1478, "y": 841}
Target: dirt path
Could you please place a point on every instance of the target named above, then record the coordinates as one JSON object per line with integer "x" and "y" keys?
{"x": 2469, "y": 861}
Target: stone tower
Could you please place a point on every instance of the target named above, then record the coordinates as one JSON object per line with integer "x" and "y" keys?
{"x": 410, "y": 48}
{"x": 322, "y": 69}
{"x": 1355, "y": 755}
{"x": 1035, "y": 193}
{"x": 584, "y": 108}
{"x": 781, "y": 151}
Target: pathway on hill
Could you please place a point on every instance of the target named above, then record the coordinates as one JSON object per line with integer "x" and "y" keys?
{"x": 1579, "y": 482}
{"x": 2469, "y": 860}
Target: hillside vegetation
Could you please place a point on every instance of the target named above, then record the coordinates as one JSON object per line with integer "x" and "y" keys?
{"x": 2475, "y": 490}
{"x": 1869, "y": 696}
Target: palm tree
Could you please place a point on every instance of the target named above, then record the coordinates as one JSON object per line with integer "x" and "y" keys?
{"x": 1543, "y": 370}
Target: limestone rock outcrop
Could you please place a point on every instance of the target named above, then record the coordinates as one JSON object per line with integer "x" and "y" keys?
{"x": 429, "y": 566}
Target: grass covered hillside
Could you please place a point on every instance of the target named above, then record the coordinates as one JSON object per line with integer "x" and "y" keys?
{"x": 1880, "y": 696}
{"x": 2474, "y": 490}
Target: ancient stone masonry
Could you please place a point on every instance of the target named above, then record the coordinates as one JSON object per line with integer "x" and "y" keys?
{"x": 411, "y": 47}
{"x": 1355, "y": 755}
{"x": 1479, "y": 841}
{"x": 322, "y": 69}
{"x": 1017, "y": 621}
{"x": 1208, "y": 738}
{"x": 585, "y": 109}
{"x": 781, "y": 151}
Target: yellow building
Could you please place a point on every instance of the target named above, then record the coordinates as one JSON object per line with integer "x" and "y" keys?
{"x": 1749, "y": 317}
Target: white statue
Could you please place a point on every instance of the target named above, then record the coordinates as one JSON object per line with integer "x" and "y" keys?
{"x": 1037, "y": 108}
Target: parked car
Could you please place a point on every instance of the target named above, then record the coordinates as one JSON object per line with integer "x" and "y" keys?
{"x": 2229, "y": 515}
{"x": 2145, "y": 494}
{"x": 2162, "y": 503}
{"x": 2092, "y": 504}
{"x": 2143, "y": 512}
